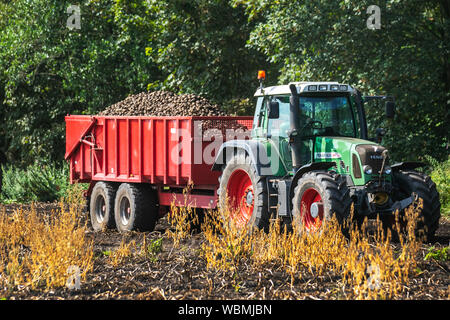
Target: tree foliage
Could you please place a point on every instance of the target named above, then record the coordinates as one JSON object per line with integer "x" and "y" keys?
{"x": 408, "y": 58}
{"x": 48, "y": 70}
{"x": 201, "y": 48}
{"x": 214, "y": 48}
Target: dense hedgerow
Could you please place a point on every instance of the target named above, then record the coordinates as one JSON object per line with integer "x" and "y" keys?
{"x": 440, "y": 174}
{"x": 37, "y": 182}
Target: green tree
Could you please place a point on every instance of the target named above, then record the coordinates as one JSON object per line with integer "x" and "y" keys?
{"x": 407, "y": 58}
{"x": 201, "y": 48}
{"x": 214, "y": 48}
{"x": 48, "y": 70}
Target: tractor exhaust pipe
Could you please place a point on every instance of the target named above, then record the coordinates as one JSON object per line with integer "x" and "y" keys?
{"x": 294, "y": 108}
{"x": 295, "y": 125}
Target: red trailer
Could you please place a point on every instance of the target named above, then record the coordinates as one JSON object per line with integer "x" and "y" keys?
{"x": 138, "y": 166}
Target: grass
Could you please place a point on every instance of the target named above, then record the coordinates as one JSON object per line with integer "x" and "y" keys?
{"x": 183, "y": 219}
{"x": 365, "y": 261}
{"x": 438, "y": 254}
{"x": 440, "y": 174}
{"x": 39, "y": 250}
{"x": 152, "y": 250}
{"x": 123, "y": 253}
{"x": 129, "y": 250}
{"x": 37, "y": 182}
{"x": 40, "y": 182}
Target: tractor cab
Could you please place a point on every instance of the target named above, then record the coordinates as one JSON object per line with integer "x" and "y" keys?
{"x": 323, "y": 110}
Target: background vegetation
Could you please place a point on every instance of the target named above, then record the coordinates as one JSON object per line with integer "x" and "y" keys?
{"x": 37, "y": 182}
{"x": 214, "y": 48}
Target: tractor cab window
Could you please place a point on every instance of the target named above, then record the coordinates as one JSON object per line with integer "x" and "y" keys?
{"x": 329, "y": 116}
{"x": 280, "y": 127}
{"x": 357, "y": 120}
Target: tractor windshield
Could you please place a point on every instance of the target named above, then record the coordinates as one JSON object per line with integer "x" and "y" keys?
{"x": 328, "y": 116}
{"x": 321, "y": 116}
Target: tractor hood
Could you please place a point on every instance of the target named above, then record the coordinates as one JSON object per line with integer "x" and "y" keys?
{"x": 336, "y": 148}
{"x": 351, "y": 156}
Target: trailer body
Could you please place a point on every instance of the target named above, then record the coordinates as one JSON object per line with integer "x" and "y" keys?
{"x": 166, "y": 152}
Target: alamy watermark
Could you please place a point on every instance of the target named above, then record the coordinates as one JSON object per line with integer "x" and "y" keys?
{"x": 373, "y": 22}
{"x": 374, "y": 280}
{"x": 74, "y": 20}
{"x": 73, "y": 280}
{"x": 207, "y": 145}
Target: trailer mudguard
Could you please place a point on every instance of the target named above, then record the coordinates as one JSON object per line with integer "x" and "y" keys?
{"x": 255, "y": 149}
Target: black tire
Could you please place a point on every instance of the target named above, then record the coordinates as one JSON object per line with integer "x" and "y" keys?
{"x": 408, "y": 182}
{"x": 335, "y": 197}
{"x": 101, "y": 206}
{"x": 135, "y": 208}
{"x": 260, "y": 216}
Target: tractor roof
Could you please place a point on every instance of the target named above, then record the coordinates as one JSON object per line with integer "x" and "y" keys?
{"x": 306, "y": 86}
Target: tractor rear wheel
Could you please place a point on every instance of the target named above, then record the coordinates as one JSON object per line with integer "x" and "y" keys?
{"x": 245, "y": 191}
{"x": 318, "y": 197}
{"x": 408, "y": 182}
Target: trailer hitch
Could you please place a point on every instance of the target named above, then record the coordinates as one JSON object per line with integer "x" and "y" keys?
{"x": 400, "y": 205}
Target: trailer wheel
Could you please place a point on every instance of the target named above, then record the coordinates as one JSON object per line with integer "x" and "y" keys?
{"x": 245, "y": 191}
{"x": 135, "y": 208}
{"x": 408, "y": 182}
{"x": 101, "y": 206}
{"x": 318, "y": 197}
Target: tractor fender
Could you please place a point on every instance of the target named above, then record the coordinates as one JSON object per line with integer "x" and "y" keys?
{"x": 315, "y": 166}
{"x": 255, "y": 149}
{"x": 408, "y": 165}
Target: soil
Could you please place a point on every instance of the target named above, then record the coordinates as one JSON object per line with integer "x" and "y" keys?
{"x": 181, "y": 273}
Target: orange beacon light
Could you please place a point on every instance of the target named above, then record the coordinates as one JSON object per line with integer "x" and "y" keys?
{"x": 261, "y": 78}
{"x": 261, "y": 75}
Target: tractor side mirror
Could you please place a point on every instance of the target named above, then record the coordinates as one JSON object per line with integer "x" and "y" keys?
{"x": 274, "y": 110}
{"x": 390, "y": 109}
{"x": 380, "y": 133}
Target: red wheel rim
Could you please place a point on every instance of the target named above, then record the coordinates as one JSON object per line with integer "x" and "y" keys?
{"x": 311, "y": 209}
{"x": 241, "y": 195}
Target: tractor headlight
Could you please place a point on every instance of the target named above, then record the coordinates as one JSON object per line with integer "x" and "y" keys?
{"x": 334, "y": 87}
{"x": 388, "y": 170}
{"x": 367, "y": 169}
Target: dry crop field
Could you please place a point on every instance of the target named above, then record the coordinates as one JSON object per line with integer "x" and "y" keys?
{"x": 49, "y": 251}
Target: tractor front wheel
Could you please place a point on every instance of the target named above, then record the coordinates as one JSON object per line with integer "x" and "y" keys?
{"x": 408, "y": 182}
{"x": 318, "y": 197}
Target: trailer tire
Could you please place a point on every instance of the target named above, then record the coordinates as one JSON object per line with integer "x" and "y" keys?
{"x": 101, "y": 206}
{"x": 321, "y": 195}
{"x": 239, "y": 178}
{"x": 135, "y": 208}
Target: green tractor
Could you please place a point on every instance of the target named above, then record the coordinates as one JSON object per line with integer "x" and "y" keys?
{"x": 309, "y": 158}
